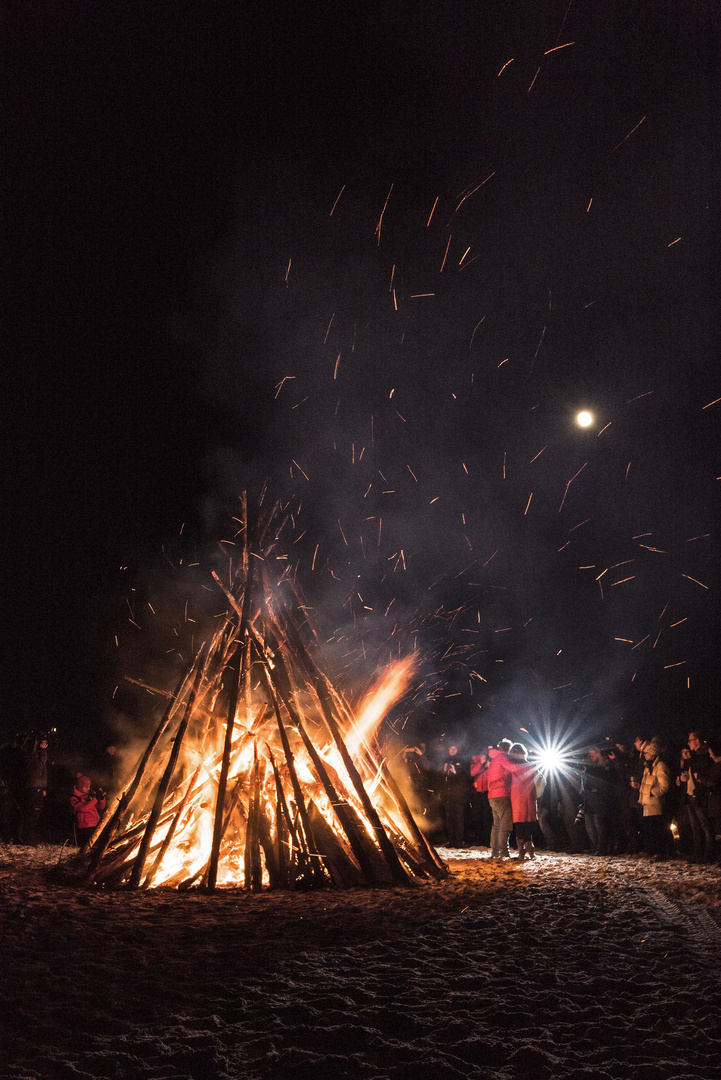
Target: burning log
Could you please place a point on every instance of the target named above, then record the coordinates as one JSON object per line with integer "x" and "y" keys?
{"x": 171, "y": 831}
{"x": 308, "y": 846}
{"x": 399, "y": 874}
{"x": 235, "y": 679}
{"x": 258, "y": 784}
{"x": 344, "y": 872}
{"x": 164, "y": 783}
{"x": 374, "y": 870}
{"x": 105, "y": 831}
{"x": 284, "y": 827}
{"x": 430, "y": 857}
{"x": 253, "y": 868}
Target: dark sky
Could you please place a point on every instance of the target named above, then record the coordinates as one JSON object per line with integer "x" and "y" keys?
{"x": 447, "y": 226}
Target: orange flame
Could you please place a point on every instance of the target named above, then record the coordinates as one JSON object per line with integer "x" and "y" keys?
{"x": 389, "y": 687}
{"x": 187, "y": 854}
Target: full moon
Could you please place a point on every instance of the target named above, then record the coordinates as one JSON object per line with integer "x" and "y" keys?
{"x": 584, "y": 419}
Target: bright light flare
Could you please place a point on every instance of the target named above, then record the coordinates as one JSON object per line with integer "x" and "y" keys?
{"x": 584, "y": 418}
{"x": 552, "y": 757}
{"x": 548, "y": 758}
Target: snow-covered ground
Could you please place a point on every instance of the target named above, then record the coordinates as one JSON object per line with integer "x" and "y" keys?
{"x": 566, "y": 966}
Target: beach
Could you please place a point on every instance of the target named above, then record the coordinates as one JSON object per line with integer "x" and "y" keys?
{"x": 563, "y": 966}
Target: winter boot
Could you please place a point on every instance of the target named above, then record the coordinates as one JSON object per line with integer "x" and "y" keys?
{"x": 521, "y": 845}
{"x": 530, "y": 853}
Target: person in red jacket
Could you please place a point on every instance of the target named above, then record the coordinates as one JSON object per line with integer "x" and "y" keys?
{"x": 86, "y": 807}
{"x": 523, "y": 798}
{"x": 499, "y": 798}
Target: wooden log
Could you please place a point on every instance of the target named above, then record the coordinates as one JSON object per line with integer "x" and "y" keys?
{"x": 235, "y": 807}
{"x": 315, "y": 868}
{"x": 235, "y": 803}
{"x": 104, "y": 834}
{"x": 399, "y": 874}
{"x": 236, "y": 682}
{"x": 428, "y": 855}
{"x": 265, "y": 839}
{"x": 285, "y": 827}
{"x": 105, "y": 831}
{"x": 252, "y": 864}
{"x": 139, "y": 864}
{"x": 380, "y": 873}
{"x": 139, "y": 827}
{"x": 171, "y": 830}
{"x": 281, "y": 847}
{"x": 370, "y": 859}
{"x": 188, "y": 883}
{"x": 234, "y": 675}
{"x": 121, "y": 856}
{"x": 347, "y": 819}
{"x": 319, "y": 682}
{"x": 343, "y": 870}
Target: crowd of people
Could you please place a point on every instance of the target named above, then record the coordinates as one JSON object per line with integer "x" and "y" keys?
{"x": 633, "y": 797}
{"x": 630, "y": 797}
{"x": 45, "y": 801}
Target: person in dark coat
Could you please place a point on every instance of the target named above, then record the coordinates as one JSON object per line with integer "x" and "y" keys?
{"x": 12, "y": 773}
{"x": 36, "y": 789}
{"x": 712, "y": 783}
{"x": 566, "y": 791}
{"x": 695, "y": 777}
{"x": 597, "y": 779}
{"x": 683, "y": 817}
{"x": 456, "y": 796}
{"x": 623, "y": 798}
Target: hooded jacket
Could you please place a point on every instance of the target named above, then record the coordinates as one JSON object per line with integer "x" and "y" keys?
{"x": 699, "y": 767}
{"x": 654, "y": 785}
{"x": 499, "y": 774}
{"x": 479, "y": 772}
{"x": 86, "y": 809}
{"x": 523, "y": 790}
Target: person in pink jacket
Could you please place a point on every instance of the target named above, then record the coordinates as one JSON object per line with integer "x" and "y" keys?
{"x": 86, "y": 807}
{"x": 523, "y": 798}
{"x": 499, "y": 798}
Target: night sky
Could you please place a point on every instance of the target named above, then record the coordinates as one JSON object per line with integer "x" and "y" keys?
{"x": 377, "y": 256}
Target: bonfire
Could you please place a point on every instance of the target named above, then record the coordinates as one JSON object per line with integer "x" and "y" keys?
{"x": 260, "y": 772}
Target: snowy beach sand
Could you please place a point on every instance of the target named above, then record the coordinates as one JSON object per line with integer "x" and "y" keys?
{"x": 566, "y": 966}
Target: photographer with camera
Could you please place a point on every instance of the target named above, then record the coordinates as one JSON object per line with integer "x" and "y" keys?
{"x": 596, "y": 792}
{"x": 87, "y": 804}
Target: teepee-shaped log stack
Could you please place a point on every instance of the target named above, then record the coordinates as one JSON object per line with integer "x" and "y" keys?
{"x": 259, "y": 772}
